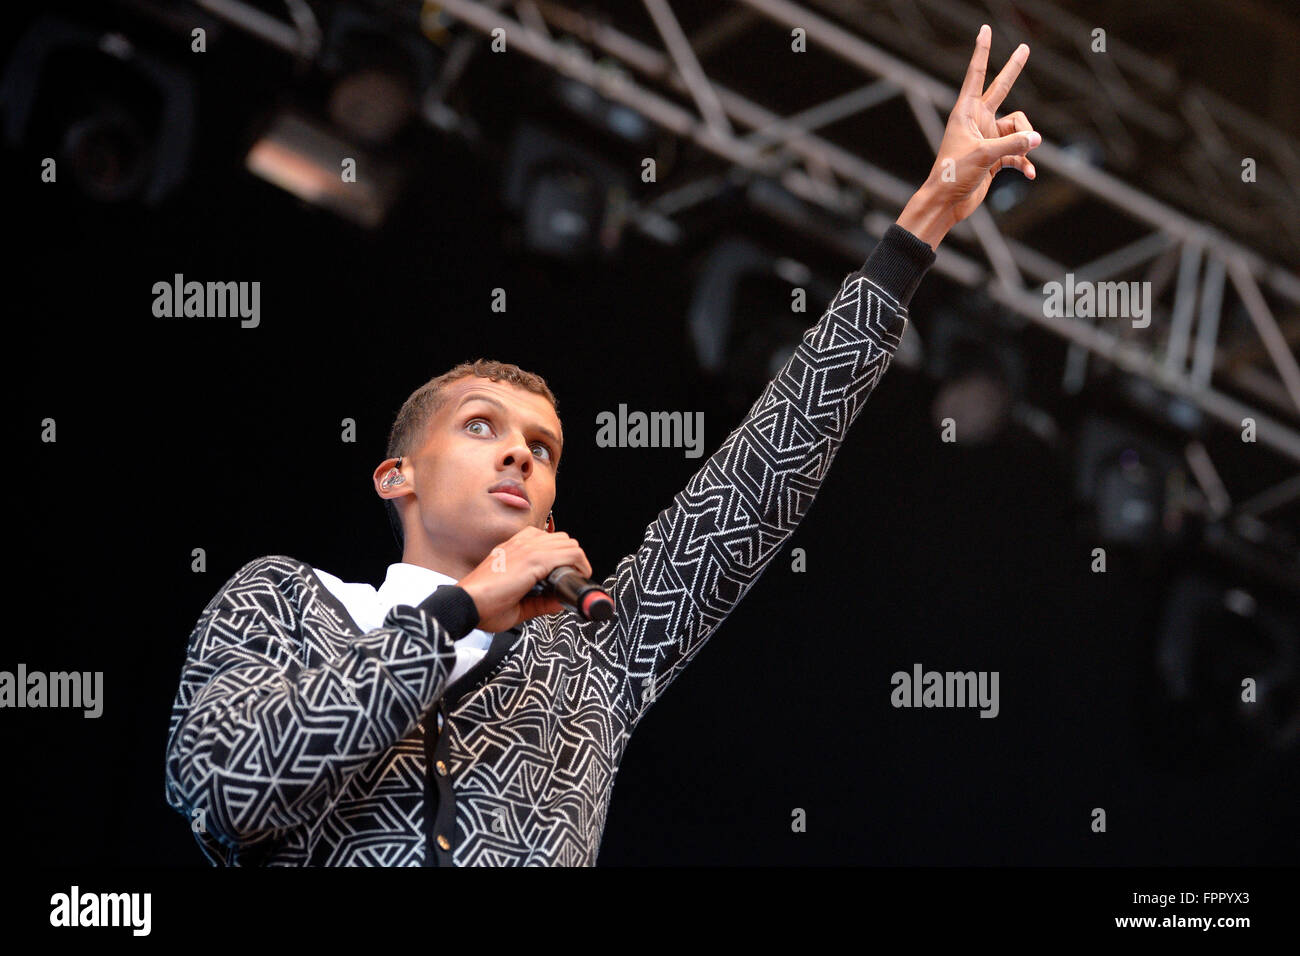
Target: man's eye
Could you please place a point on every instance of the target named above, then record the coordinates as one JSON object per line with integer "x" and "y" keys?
{"x": 537, "y": 444}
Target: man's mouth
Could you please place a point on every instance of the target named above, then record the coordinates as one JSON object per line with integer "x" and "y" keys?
{"x": 511, "y": 493}
{"x": 514, "y": 501}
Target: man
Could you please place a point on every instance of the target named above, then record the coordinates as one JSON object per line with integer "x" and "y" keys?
{"x": 451, "y": 719}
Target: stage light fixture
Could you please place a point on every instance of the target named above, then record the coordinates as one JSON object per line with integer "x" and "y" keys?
{"x": 1131, "y": 484}
{"x": 118, "y": 122}
{"x": 1228, "y": 665}
{"x": 981, "y": 376}
{"x": 740, "y": 323}
{"x": 572, "y": 201}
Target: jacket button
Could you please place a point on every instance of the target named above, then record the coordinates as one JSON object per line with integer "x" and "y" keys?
{"x": 441, "y": 768}
{"x": 443, "y": 842}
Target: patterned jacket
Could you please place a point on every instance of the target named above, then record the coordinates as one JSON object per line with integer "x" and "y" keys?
{"x": 297, "y": 739}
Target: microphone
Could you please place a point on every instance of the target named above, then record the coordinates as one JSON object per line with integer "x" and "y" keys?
{"x": 571, "y": 589}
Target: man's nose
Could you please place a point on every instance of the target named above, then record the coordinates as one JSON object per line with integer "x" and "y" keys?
{"x": 518, "y": 454}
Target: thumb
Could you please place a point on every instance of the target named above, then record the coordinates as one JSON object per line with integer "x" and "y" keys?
{"x": 1013, "y": 144}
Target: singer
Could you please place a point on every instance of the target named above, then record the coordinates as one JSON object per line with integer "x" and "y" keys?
{"x": 453, "y": 716}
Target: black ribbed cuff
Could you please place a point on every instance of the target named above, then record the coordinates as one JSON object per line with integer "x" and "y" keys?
{"x": 453, "y": 608}
{"x": 899, "y": 263}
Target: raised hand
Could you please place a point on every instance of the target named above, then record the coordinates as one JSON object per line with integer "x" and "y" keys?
{"x": 976, "y": 144}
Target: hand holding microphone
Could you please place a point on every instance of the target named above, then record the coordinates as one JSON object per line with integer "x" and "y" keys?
{"x": 575, "y": 591}
{"x": 530, "y": 574}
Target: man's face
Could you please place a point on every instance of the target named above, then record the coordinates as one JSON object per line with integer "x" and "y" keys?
{"x": 485, "y": 435}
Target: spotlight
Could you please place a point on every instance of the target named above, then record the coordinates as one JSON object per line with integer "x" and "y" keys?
{"x": 603, "y": 113}
{"x": 740, "y": 279}
{"x": 979, "y": 401}
{"x": 119, "y": 121}
{"x": 302, "y": 157}
{"x": 379, "y": 75}
{"x": 1228, "y": 663}
{"x": 981, "y": 376}
{"x": 562, "y": 211}
{"x": 1127, "y": 480}
{"x": 571, "y": 200}
{"x": 372, "y": 105}
{"x": 107, "y": 153}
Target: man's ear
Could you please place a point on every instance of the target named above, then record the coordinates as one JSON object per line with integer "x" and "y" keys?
{"x": 390, "y": 479}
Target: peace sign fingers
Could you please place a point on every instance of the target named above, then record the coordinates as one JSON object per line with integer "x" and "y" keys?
{"x": 979, "y": 61}
{"x": 1002, "y": 85}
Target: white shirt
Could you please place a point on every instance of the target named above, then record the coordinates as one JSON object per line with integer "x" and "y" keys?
{"x": 405, "y": 584}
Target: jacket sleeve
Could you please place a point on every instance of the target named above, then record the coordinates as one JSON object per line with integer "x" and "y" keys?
{"x": 259, "y": 742}
{"x": 704, "y": 552}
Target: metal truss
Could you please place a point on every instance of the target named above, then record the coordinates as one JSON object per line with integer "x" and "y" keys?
{"x": 1120, "y": 101}
{"x": 1189, "y": 263}
{"x": 1176, "y": 140}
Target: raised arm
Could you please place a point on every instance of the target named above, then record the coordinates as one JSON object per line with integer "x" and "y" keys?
{"x": 261, "y": 738}
{"x": 704, "y": 552}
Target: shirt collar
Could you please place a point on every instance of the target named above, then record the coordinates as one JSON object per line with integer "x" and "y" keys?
{"x": 411, "y": 583}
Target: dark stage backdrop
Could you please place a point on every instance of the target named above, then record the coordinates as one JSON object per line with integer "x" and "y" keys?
{"x": 175, "y": 435}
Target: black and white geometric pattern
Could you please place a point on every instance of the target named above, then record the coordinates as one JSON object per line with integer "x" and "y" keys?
{"x": 296, "y": 739}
